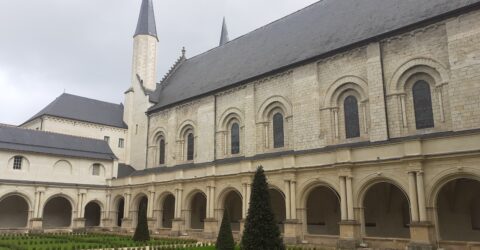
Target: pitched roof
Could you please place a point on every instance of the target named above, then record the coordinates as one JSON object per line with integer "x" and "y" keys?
{"x": 84, "y": 109}
{"x": 146, "y": 20}
{"x": 319, "y": 29}
{"x": 20, "y": 139}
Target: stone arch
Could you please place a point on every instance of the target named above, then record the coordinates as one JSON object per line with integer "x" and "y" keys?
{"x": 322, "y": 209}
{"x": 196, "y": 202}
{"x": 229, "y": 115}
{"x": 157, "y": 133}
{"x": 14, "y": 210}
{"x": 166, "y": 206}
{"x": 457, "y": 208}
{"x": 418, "y": 65}
{"x": 25, "y": 163}
{"x": 93, "y": 213}
{"x": 438, "y": 181}
{"x": 102, "y": 169}
{"x": 137, "y": 201}
{"x": 342, "y": 85}
{"x": 57, "y": 211}
{"x": 231, "y": 199}
{"x": 62, "y": 167}
{"x": 119, "y": 209}
{"x": 184, "y": 127}
{"x": 274, "y": 103}
{"x": 277, "y": 200}
{"x": 386, "y": 208}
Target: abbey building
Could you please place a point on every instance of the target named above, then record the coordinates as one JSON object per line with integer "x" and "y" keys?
{"x": 364, "y": 114}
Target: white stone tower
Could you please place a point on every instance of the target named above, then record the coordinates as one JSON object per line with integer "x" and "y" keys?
{"x": 143, "y": 82}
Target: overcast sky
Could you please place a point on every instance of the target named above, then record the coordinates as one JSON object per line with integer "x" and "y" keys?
{"x": 85, "y": 46}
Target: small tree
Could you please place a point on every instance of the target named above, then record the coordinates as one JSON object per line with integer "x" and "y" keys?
{"x": 261, "y": 230}
{"x": 141, "y": 232}
{"x": 225, "y": 237}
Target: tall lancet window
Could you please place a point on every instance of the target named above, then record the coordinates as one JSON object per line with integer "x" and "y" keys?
{"x": 235, "y": 138}
{"x": 278, "y": 133}
{"x": 161, "y": 147}
{"x": 190, "y": 146}
{"x": 352, "y": 124}
{"x": 422, "y": 103}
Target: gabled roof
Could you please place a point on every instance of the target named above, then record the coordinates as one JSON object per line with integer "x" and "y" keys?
{"x": 146, "y": 20}
{"x": 84, "y": 109}
{"x": 19, "y": 139}
{"x": 318, "y": 30}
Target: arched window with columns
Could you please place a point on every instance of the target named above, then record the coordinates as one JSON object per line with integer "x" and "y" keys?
{"x": 161, "y": 149}
{"x": 190, "y": 146}
{"x": 235, "y": 138}
{"x": 352, "y": 120}
{"x": 422, "y": 104}
{"x": 278, "y": 131}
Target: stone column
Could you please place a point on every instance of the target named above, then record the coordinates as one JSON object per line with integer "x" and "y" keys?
{"x": 106, "y": 221}
{"x": 291, "y": 224}
{"x": 36, "y": 223}
{"x": 412, "y": 193}
{"x": 79, "y": 222}
{"x": 293, "y": 198}
{"x": 287, "y": 200}
{"x": 343, "y": 199}
{"x": 178, "y": 222}
{"x": 421, "y": 230}
{"x": 349, "y": 227}
{"x": 150, "y": 206}
{"x": 421, "y": 197}
{"x": 210, "y": 223}
{"x": 126, "y": 221}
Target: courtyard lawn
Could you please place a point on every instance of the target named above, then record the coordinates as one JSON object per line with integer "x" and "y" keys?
{"x": 64, "y": 241}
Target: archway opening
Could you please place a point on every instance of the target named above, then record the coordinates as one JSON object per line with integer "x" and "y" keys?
{"x": 13, "y": 212}
{"x": 233, "y": 204}
{"x": 198, "y": 211}
{"x": 57, "y": 213}
{"x": 387, "y": 212}
{"x": 168, "y": 211}
{"x": 119, "y": 211}
{"x": 277, "y": 200}
{"x": 142, "y": 205}
{"x": 323, "y": 211}
{"x": 458, "y": 208}
{"x": 92, "y": 214}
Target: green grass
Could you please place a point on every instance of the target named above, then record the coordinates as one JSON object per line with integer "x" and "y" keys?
{"x": 82, "y": 241}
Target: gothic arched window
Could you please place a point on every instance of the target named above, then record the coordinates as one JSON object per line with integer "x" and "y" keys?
{"x": 190, "y": 146}
{"x": 278, "y": 133}
{"x": 235, "y": 138}
{"x": 352, "y": 124}
{"x": 162, "y": 151}
{"x": 422, "y": 104}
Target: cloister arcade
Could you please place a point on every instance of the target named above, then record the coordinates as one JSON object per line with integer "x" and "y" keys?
{"x": 383, "y": 210}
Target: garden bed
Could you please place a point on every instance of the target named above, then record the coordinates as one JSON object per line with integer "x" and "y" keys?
{"x": 69, "y": 241}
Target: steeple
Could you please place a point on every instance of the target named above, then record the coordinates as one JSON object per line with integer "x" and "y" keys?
{"x": 146, "y": 20}
{"x": 224, "y": 36}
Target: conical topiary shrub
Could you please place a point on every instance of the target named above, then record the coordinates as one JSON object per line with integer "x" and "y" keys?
{"x": 225, "y": 237}
{"x": 261, "y": 230}
{"x": 141, "y": 232}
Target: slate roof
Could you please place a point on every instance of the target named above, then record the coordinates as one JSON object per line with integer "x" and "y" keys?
{"x": 146, "y": 20}
{"x": 84, "y": 109}
{"x": 319, "y": 29}
{"x": 124, "y": 170}
{"x": 20, "y": 139}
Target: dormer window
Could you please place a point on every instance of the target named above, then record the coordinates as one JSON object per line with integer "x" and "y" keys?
{"x": 17, "y": 162}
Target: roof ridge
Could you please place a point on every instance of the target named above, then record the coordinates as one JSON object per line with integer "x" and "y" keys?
{"x": 89, "y": 98}
{"x": 261, "y": 27}
{"x": 55, "y": 133}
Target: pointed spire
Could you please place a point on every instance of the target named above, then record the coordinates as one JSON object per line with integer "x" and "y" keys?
{"x": 224, "y": 36}
{"x": 146, "y": 20}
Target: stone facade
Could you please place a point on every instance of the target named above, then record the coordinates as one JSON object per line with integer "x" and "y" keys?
{"x": 392, "y": 186}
